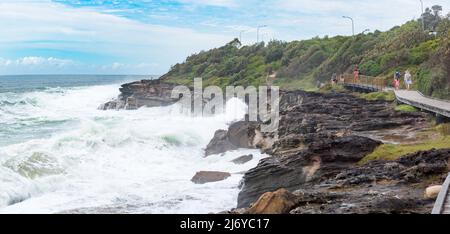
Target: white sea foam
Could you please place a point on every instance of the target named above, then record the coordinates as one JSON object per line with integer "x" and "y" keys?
{"x": 89, "y": 160}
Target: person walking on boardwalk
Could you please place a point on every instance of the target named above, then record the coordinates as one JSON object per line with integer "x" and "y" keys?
{"x": 356, "y": 74}
{"x": 334, "y": 79}
{"x": 397, "y": 76}
{"x": 408, "y": 79}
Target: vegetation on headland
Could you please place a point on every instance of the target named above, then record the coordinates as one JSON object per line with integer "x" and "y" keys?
{"x": 302, "y": 64}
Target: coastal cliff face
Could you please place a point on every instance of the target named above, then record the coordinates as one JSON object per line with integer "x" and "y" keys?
{"x": 144, "y": 93}
{"x": 315, "y": 155}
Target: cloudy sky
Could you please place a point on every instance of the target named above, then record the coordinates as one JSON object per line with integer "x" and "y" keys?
{"x": 148, "y": 36}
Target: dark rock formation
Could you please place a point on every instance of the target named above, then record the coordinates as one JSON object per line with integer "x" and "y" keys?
{"x": 219, "y": 144}
{"x": 316, "y": 150}
{"x": 379, "y": 187}
{"x": 239, "y": 135}
{"x": 204, "y": 177}
{"x": 148, "y": 93}
{"x": 329, "y": 156}
{"x": 243, "y": 159}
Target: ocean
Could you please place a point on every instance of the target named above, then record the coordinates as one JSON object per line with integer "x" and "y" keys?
{"x": 60, "y": 154}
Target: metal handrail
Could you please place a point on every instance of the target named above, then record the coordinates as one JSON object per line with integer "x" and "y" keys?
{"x": 439, "y": 205}
{"x": 369, "y": 81}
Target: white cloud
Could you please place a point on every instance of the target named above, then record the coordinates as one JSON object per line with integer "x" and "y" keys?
{"x": 327, "y": 14}
{"x": 52, "y": 26}
{"x": 220, "y": 3}
{"x": 51, "y": 65}
{"x": 35, "y": 61}
{"x": 41, "y": 61}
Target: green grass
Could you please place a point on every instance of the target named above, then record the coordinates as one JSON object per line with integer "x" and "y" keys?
{"x": 392, "y": 152}
{"x": 328, "y": 88}
{"x": 406, "y": 108}
{"x": 379, "y": 96}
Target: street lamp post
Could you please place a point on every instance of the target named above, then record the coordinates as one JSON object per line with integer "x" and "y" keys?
{"x": 240, "y": 35}
{"x": 423, "y": 20}
{"x": 257, "y": 32}
{"x": 353, "y": 23}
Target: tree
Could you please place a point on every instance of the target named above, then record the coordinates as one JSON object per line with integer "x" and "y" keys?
{"x": 431, "y": 17}
{"x": 436, "y": 10}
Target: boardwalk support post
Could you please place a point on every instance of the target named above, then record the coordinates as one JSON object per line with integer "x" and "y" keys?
{"x": 440, "y": 119}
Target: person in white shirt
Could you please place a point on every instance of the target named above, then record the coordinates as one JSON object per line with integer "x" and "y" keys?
{"x": 408, "y": 79}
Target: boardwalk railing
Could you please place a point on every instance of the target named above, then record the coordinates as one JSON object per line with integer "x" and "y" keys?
{"x": 369, "y": 83}
{"x": 441, "y": 206}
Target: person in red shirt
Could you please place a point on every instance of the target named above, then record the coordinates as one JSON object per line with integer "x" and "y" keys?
{"x": 356, "y": 74}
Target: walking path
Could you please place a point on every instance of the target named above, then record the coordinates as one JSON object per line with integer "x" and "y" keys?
{"x": 416, "y": 99}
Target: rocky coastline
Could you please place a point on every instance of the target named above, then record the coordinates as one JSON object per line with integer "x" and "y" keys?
{"x": 143, "y": 93}
{"x": 315, "y": 157}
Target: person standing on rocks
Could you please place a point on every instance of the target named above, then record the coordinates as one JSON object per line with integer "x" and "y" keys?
{"x": 408, "y": 79}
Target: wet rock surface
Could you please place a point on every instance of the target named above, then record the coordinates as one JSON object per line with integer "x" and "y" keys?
{"x": 243, "y": 159}
{"x": 241, "y": 134}
{"x": 204, "y": 177}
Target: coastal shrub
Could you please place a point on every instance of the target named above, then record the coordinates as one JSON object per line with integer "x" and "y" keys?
{"x": 406, "y": 108}
{"x": 378, "y": 96}
{"x": 371, "y": 68}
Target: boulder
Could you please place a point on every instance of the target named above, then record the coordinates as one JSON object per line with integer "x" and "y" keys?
{"x": 279, "y": 202}
{"x": 219, "y": 144}
{"x": 432, "y": 192}
{"x": 204, "y": 177}
{"x": 240, "y": 134}
{"x": 243, "y": 159}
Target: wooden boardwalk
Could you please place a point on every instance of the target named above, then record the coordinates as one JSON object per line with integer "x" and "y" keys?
{"x": 416, "y": 99}
{"x": 413, "y": 98}
{"x": 442, "y": 205}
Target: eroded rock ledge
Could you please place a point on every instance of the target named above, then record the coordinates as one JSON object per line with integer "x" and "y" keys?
{"x": 315, "y": 155}
{"x": 144, "y": 93}
{"x": 386, "y": 187}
